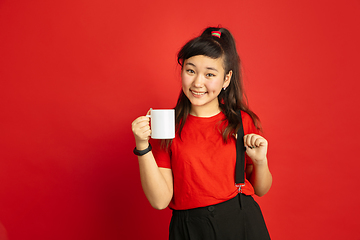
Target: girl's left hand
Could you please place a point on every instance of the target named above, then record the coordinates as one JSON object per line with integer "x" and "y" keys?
{"x": 256, "y": 148}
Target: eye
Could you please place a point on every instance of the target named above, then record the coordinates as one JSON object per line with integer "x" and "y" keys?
{"x": 210, "y": 75}
{"x": 190, "y": 71}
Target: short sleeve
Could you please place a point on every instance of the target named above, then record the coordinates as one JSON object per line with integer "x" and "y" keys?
{"x": 162, "y": 157}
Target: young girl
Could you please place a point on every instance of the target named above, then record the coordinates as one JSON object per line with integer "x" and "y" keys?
{"x": 193, "y": 174}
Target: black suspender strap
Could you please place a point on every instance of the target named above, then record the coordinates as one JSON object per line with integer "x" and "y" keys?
{"x": 240, "y": 155}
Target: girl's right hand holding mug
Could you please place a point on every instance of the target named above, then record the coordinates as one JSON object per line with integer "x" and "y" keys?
{"x": 142, "y": 131}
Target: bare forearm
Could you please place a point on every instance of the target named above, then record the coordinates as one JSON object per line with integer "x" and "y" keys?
{"x": 157, "y": 183}
{"x": 157, "y": 190}
{"x": 261, "y": 178}
{"x": 256, "y": 149}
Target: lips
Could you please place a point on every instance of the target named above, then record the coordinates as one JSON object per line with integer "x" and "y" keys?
{"x": 198, "y": 93}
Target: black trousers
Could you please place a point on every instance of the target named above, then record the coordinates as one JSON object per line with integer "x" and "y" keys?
{"x": 239, "y": 218}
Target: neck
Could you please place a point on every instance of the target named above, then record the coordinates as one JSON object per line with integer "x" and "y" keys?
{"x": 201, "y": 111}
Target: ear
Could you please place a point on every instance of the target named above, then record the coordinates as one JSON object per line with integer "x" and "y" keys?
{"x": 227, "y": 79}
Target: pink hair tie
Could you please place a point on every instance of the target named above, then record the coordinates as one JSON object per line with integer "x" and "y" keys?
{"x": 216, "y": 34}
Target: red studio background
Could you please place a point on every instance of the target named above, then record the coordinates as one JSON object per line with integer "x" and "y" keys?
{"x": 75, "y": 74}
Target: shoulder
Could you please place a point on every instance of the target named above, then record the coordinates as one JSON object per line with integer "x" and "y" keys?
{"x": 245, "y": 116}
{"x": 248, "y": 123}
{"x": 246, "y": 119}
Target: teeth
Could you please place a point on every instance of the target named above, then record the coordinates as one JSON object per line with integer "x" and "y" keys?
{"x": 197, "y": 93}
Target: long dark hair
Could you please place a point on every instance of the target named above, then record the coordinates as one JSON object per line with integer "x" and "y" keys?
{"x": 231, "y": 99}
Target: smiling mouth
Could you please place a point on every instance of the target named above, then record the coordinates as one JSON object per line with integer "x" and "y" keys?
{"x": 198, "y": 93}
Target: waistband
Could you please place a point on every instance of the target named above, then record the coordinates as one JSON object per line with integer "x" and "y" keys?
{"x": 224, "y": 207}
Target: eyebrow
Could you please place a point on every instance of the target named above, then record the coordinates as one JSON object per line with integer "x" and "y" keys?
{"x": 209, "y": 68}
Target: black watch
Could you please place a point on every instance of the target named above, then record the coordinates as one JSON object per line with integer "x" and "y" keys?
{"x": 142, "y": 152}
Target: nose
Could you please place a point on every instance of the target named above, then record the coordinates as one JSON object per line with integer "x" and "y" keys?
{"x": 198, "y": 81}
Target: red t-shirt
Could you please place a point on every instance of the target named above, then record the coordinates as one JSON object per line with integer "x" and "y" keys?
{"x": 203, "y": 165}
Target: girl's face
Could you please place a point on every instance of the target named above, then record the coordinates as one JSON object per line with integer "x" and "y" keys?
{"x": 202, "y": 80}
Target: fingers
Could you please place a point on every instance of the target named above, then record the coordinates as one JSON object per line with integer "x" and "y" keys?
{"x": 142, "y": 119}
{"x": 254, "y": 140}
{"x": 141, "y": 128}
{"x": 256, "y": 148}
{"x": 139, "y": 120}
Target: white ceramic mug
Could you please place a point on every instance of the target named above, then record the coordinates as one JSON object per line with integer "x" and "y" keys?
{"x": 162, "y": 123}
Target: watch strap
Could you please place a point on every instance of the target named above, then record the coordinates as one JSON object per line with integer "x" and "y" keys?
{"x": 142, "y": 152}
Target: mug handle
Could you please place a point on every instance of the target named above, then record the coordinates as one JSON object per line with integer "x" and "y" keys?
{"x": 150, "y": 113}
{"x": 149, "y": 116}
